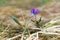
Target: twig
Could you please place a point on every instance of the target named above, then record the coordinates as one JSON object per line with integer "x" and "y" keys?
{"x": 14, "y": 37}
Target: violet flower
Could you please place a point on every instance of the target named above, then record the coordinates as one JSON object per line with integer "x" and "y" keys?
{"x": 34, "y": 11}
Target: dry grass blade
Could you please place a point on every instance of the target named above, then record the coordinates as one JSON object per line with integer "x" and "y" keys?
{"x": 52, "y": 22}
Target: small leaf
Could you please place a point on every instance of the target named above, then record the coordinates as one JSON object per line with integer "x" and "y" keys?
{"x": 40, "y": 19}
{"x": 15, "y": 19}
{"x": 32, "y": 20}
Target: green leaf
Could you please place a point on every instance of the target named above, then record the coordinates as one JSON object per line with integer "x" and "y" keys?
{"x": 15, "y": 19}
{"x": 32, "y": 20}
{"x": 39, "y": 20}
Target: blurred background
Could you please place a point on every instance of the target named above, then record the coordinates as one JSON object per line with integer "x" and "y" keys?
{"x": 47, "y": 8}
{"x": 27, "y": 4}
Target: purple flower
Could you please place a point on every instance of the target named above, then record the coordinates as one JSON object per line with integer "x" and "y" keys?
{"x": 34, "y": 11}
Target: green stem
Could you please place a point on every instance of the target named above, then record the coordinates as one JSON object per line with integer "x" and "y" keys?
{"x": 35, "y": 18}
